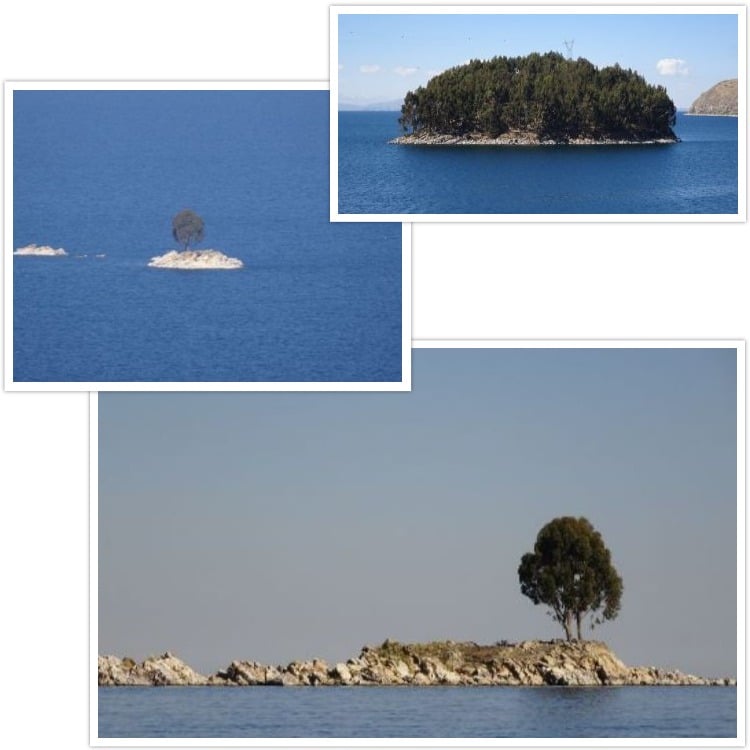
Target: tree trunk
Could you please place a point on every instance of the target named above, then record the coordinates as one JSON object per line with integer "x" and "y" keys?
{"x": 578, "y": 625}
{"x": 567, "y": 624}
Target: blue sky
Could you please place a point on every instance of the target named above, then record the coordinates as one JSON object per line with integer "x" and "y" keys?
{"x": 281, "y": 526}
{"x": 381, "y": 57}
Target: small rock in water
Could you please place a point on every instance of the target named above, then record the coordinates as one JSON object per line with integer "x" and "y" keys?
{"x": 39, "y": 250}
{"x": 195, "y": 260}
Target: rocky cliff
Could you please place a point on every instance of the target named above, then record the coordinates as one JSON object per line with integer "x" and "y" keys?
{"x": 720, "y": 99}
{"x": 195, "y": 260}
{"x": 582, "y": 663}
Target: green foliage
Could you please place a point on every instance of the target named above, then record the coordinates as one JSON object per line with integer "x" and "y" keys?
{"x": 554, "y": 97}
{"x": 187, "y": 227}
{"x": 570, "y": 570}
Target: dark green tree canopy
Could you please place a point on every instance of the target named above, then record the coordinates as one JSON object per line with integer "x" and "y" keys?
{"x": 187, "y": 227}
{"x": 548, "y": 95}
{"x": 571, "y": 571}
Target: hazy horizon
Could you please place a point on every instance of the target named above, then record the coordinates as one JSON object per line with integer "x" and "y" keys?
{"x": 382, "y": 56}
{"x": 283, "y": 526}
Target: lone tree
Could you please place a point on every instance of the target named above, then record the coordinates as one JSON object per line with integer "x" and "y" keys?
{"x": 570, "y": 570}
{"x": 187, "y": 227}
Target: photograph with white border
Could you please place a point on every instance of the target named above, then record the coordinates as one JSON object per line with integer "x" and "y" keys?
{"x": 396, "y": 550}
{"x": 175, "y": 236}
{"x": 538, "y": 113}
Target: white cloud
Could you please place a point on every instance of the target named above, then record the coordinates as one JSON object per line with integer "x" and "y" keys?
{"x": 369, "y": 68}
{"x": 672, "y": 66}
{"x": 341, "y": 66}
{"x": 402, "y": 71}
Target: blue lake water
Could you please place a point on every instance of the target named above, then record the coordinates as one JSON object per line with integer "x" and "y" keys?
{"x": 696, "y": 176}
{"x": 105, "y": 172}
{"x": 418, "y": 712}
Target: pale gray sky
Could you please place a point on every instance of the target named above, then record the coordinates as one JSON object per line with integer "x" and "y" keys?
{"x": 281, "y": 526}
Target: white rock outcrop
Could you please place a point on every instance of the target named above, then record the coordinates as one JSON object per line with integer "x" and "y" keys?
{"x": 39, "y": 250}
{"x": 166, "y": 669}
{"x": 538, "y": 663}
{"x": 195, "y": 260}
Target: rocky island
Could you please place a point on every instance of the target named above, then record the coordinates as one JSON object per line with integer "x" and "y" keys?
{"x": 536, "y": 100}
{"x": 720, "y": 99}
{"x": 45, "y": 250}
{"x": 194, "y": 260}
{"x": 528, "y": 663}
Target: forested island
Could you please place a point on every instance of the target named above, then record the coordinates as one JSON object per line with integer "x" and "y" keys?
{"x": 539, "y": 98}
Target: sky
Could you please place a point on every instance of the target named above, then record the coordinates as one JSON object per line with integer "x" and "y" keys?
{"x": 381, "y": 57}
{"x": 283, "y": 526}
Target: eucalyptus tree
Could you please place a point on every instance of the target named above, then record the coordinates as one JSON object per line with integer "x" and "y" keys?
{"x": 571, "y": 571}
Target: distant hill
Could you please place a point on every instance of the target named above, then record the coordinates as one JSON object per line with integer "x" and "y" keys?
{"x": 720, "y": 99}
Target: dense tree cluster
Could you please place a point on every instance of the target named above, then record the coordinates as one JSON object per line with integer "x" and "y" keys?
{"x": 547, "y": 94}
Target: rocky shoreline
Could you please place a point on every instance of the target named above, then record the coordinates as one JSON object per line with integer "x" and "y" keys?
{"x": 529, "y": 663}
{"x": 195, "y": 260}
{"x": 515, "y": 139}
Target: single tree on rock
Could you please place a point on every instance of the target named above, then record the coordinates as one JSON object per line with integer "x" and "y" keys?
{"x": 187, "y": 227}
{"x": 571, "y": 571}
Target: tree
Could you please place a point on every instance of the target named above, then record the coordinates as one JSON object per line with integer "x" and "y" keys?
{"x": 571, "y": 571}
{"x": 187, "y": 227}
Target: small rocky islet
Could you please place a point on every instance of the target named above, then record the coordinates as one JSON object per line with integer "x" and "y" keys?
{"x": 195, "y": 260}
{"x": 528, "y": 663}
{"x": 41, "y": 250}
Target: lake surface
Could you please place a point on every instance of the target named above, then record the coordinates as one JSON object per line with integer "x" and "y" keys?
{"x": 696, "y": 176}
{"x": 103, "y": 173}
{"x": 418, "y": 712}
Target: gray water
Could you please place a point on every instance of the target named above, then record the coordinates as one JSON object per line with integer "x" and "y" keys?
{"x": 418, "y": 712}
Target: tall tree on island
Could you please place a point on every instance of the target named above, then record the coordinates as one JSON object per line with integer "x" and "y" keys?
{"x": 187, "y": 227}
{"x": 571, "y": 571}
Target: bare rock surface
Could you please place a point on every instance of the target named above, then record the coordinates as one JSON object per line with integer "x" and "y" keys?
{"x": 560, "y": 663}
{"x": 156, "y": 670}
{"x": 720, "y": 99}
{"x": 39, "y": 250}
{"x": 195, "y": 260}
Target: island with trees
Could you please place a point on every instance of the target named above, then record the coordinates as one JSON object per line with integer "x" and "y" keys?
{"x": 539, "y": 99}
{"x": 189, "y": 228}
{"x": 570, "y": 570}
